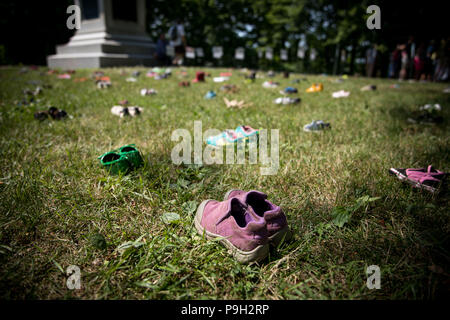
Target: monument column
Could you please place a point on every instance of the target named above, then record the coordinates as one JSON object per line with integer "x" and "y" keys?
{"x": 112, "y": 33}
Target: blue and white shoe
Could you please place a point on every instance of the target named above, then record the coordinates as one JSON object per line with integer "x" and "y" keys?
{"x": 316, "y": 125}
{"x": 225, "y": 138}
{"x": 246, "y": 132}
{"x": 210, "y": 95}
{"x": 289, "y": 90}
{"x": 232, "y": 136}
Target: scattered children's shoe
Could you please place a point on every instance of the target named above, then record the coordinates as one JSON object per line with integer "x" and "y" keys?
{"x": 428, "y": 178}
{"x": 102, "y": 84}
{"x": 229, "y": 88}
{"x": 135, "y": 111}
{"x": 161, "y": 76}
{"x": 120, "y": 111}
{"x": 341, "y": 94}
{"x": 431, "y": 107}
{"x": 236, "y": 104}
{"x": 148, "y": 92}
{"x": 228, "y": 137}
{"x": 277, "y": 226}
{"x": 184, "y": 84}
{"x": 246, "y": 132}
{"x": 220, "y": 79}
{"x": 53, "y": 112}
{"x": 225, "y": 138}
{"x": 369, "y": 87}
{"x": 232, "y": 224}
{"x": 315, "y": 87}
{"x": 316, "y": 125}
{"x": 270, "y": 84}
{"x": 286, "y": 100}
{"x": 131, "y": 79}
{"x": 122, "y": 160}
{"x": 133, "y": 155}
{"x": 210, "y": 95}
{"x": 126, "y": 111}
{"x": 64, "y": 76}
{"x": 427, "y": 114}
{"x": 115, "y": 163}
{"x": 289, "y": 90}
{"x": 199, "y": 77}
{"x": 41, "y": 115}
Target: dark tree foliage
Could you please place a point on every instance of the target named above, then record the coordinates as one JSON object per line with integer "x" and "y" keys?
{"x": 337, "y": 30}
{"x": 29, "y": 30}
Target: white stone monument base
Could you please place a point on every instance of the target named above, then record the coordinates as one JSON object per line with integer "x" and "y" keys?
{"x": 99, "y": 49}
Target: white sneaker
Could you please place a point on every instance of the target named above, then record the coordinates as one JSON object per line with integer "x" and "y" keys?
{"x": 316, "y": 125}
{"x": 286, "y": 100}
{"x": 341, "y": 94}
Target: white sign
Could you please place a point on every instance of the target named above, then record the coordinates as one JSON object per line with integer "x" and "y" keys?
{"x": 284, "y": 54}
{"x": 199, "y": 52}
{"x": 190, "y": 53}
{"x": 239, "y": 53}
{"x": 217, "y": 52}
{"x": 269, "y": 53}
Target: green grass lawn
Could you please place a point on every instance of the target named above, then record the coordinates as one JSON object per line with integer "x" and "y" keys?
{"x": 56, "y": 199}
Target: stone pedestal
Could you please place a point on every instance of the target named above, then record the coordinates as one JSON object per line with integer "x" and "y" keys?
{"x": 112, "y": 33}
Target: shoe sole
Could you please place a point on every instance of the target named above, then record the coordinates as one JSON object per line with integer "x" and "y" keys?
{"x": 277, "y": 237}
{"x": 415, "y": 184}
{"x": 257, "y": 254}
{"x": 284, "y": 234}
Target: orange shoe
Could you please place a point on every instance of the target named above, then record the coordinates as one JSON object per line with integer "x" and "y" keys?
{"x": 315, "y": 88}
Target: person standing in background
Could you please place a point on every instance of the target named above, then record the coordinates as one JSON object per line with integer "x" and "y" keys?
{"x": 429, "y": 61}
{"x": 411, "y": 49}
{"x": 371, "y": 56}
{"x": 160, "y": 54}
{"x": 419, "y": 63}
{"x": 396, "y": 61}
{"x": 404, "y": 63}
{"x": 178, "y": 41}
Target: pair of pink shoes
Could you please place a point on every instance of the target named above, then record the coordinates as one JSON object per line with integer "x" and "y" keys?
{"x": 245, "y": 222}
{"x": 428, "y": 178}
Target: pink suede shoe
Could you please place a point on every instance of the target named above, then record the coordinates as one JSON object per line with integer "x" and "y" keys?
{"x": 240, "y": 231}
{"x": 274, "y": 216}
{"x": 428, "y": 178}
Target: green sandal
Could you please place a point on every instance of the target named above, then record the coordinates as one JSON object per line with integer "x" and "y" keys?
{"x": 115, "y": 163}
{"x": 132, "y": 154}
{"x": 122, "y": 160}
